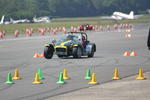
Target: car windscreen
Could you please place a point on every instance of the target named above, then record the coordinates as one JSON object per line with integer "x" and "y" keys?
{"x": 72, "y": 38}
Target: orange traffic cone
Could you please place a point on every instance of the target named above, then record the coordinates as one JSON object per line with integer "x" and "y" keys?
{"x": 126, "y": 54}
{"x": 108, "y": 28}
{"x": 16, "y": 33}
{"x": 1, "y": 35}
{"x": 42, "y": 55}
{"x": 133, "y": 54}
{"x": 36, "y": 55}
{"x": 128, "y": 35}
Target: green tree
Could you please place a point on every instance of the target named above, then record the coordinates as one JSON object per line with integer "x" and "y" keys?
{"x": 18, "y": 9}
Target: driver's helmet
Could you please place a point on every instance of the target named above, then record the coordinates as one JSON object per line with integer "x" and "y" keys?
{"x": 54, "y": 41}
{"x": 79, "y": 38}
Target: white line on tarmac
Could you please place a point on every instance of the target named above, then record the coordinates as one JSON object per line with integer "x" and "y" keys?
{"x": 25, "y": 38}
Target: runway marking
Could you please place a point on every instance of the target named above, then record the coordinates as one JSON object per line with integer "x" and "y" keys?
{"x": 25, "y": 38}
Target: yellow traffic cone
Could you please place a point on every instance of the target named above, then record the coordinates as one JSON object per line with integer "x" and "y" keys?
{"x": 141, "y": 75}
{"x": 16, "y": 76}
{"x": 65, "y": 75}
{"x": 37, "y": 79}
{"x": 116, "y": 74}
{"x": 93, "y": 80}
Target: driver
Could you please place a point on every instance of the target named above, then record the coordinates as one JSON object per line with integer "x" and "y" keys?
{"x": 83, "y": 41}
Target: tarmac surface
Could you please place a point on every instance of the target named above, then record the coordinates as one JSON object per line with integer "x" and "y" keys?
{"x": 124, "y": 89}
{"x": 18, "y": 54}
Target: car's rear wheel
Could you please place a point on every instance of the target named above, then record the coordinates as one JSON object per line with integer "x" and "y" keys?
{"x": 92, "y": 53}
{"x": 48, "y": 52}
{"x": 77, "y": 52}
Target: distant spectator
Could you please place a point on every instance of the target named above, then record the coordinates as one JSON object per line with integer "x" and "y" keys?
{"x": 148, "y": 41}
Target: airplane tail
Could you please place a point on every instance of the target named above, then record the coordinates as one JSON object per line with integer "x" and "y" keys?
{"x": 131, "y": 14}
{"x": 2, "y": 20}
{"x": 34, "y": 19}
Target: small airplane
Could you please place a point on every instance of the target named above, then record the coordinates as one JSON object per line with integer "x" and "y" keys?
{"x": 44, "y": 19}
{"x": 120, "y": 16}
{"x": 2, "y": 19}
{"x": 19, "y": 21}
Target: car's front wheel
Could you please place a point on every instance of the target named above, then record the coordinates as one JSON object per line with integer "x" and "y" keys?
{"x": 77, "y": 52}
{"x": 48, "y": 52}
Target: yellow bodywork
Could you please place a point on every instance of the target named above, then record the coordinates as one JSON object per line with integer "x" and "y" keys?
{"x": 62, "y": 45}
{"x": 46, "y": 45}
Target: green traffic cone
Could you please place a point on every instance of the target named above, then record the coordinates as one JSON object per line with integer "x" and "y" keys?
{"x": 40, "y": 72}
{"x": 61, "y": 80}
{"x": 9, "y": 79}
{"x": 88, "y": 75}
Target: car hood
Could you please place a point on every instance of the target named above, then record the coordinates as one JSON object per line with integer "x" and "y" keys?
{"x": 67, "y": 43}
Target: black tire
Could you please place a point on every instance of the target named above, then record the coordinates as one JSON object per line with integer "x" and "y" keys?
{"x": 91, "y": 54}
{"x": 48, "y": 52}
{"x": 77, "y": 52}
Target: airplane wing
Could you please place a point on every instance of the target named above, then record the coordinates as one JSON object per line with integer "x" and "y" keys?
{"x": 137, "y": 16}
{"x": 111, "y": 18}
{"x": 105, "y": 17}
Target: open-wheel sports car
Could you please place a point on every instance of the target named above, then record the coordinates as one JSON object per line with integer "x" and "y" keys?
{"x": 85, "y": 27}
{"x": 74, "y": 44}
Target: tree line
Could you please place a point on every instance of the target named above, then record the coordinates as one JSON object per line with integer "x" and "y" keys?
{"x": 69, "y": 8}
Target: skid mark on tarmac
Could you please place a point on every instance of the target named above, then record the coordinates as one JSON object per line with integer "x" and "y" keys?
{"x": 14, "y": 66}
{"x": 38, "y": 94}
{"x": 5, "y": 87}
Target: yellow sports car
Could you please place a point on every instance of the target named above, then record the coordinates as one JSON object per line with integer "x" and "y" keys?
{"x": 74, "y": 44}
